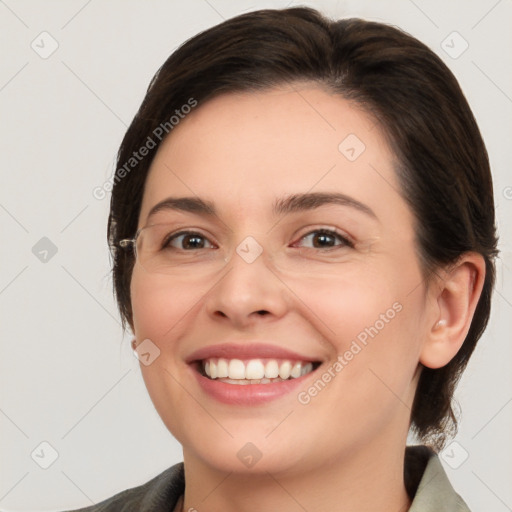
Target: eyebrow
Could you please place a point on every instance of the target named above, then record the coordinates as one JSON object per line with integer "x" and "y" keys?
{"x": 289, "y": 204}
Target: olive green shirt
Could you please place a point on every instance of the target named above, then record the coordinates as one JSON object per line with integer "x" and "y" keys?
{"x": 425, "y": 480}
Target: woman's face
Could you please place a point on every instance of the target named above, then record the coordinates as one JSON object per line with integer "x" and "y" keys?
{"x": 261, "y": 282}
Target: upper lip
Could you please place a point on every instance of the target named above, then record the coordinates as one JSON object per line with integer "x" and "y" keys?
{"x": 247, "y": 351}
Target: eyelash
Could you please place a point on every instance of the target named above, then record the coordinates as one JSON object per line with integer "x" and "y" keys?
{"x": 345, "y": 240}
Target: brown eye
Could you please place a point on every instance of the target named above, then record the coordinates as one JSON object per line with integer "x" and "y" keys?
{"x": 189, "y": 240}
{"x": 326, "y": 239}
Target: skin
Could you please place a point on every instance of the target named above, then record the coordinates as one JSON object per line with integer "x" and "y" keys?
{"x": 242, "y": 151}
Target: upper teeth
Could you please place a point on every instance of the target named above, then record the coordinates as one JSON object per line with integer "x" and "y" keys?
{"x": 253, "y": 369}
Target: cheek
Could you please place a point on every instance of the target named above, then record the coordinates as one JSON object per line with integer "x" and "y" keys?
{"x": 367, "y": 386}
{"x": 160, "y": 308}
{"x": 373, "y": 334}
{"x": 160, "y": 305}
{"x": 346, "y": 303}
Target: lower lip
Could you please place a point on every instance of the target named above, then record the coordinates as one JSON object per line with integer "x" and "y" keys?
{"x": 248, "y": 394}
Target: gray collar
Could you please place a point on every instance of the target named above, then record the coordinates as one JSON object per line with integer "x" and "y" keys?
{"x": 434, "y": 492}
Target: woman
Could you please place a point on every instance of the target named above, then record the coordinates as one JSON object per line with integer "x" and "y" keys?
{"x": 303, "y": 239}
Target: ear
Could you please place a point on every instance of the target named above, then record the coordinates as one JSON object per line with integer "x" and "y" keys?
{"x": 453, "y": 300}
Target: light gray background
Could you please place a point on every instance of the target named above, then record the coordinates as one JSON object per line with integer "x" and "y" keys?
{"x": 68, "y": 377}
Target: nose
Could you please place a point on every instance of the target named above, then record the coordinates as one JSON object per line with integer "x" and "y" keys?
{"x": 247, "y": 292}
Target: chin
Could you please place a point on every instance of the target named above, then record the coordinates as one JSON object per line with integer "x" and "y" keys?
{"x": 248, "y": 458}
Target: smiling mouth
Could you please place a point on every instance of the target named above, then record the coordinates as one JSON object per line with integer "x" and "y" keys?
{"x": 254, "y": 371}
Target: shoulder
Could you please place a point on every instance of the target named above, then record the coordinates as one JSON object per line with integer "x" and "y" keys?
{"x": 158, "y": 494}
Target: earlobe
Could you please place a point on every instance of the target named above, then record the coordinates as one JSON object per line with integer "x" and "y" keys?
{"x": 453, "y": 306}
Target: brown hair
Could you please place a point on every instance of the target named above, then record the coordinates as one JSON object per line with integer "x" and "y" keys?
{"x": 443, "y": 165}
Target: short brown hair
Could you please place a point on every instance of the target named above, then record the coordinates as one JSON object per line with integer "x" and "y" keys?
{"x": 443, "y": 166}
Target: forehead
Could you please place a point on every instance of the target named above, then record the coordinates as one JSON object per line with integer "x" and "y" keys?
{"x": 246, "y": 149}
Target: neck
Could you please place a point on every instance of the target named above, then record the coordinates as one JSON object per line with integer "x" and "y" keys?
{"x": 365, "y": 480}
